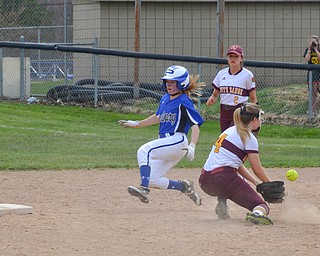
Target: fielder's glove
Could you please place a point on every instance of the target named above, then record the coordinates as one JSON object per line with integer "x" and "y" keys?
{"x": 191, "y": 151}
{"x": 129, "y": 123}
{"x": 272, "y": 192}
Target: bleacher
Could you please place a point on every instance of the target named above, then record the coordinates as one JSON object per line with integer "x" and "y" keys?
{"x": 51, "y": 69}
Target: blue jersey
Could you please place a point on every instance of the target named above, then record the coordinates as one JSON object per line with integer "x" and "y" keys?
{"x": 177, "y": 115}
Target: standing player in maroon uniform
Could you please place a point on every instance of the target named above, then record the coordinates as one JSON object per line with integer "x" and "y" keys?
{"x": 235, "y": 85}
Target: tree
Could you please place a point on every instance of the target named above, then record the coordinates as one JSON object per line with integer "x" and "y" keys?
{"x": 24, "y": 13}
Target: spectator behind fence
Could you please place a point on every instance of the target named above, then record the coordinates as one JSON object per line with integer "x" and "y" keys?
{"x": 312, "y": 56}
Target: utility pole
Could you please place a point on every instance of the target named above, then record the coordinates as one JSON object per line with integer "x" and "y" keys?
{"x": 220, "y": 27}
{"x": 137, "y": 49}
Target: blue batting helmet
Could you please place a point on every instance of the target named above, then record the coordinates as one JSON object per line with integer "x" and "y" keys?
{"x": 179, "y": 74}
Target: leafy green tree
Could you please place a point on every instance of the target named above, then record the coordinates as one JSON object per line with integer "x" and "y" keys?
{"x": 23, "y": 13}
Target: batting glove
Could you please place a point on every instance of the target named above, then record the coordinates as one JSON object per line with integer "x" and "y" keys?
{"x": 129, "y": 123}
{"x": 191, "y": 151}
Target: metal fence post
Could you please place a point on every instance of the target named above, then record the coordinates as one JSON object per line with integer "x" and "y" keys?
{"x": 136, "y": 78}
{"x": 95, "y": 72}
{"x": 200, "y": 74}
{"x": 65, "y": 35}
{"x": 39, "y": 52}
{"x": 310, "y": 96}
{"x": 22, "y": 70}
{"x": 1, "y": 72}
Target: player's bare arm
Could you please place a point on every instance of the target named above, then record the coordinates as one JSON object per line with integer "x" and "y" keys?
{"x": 151, "y": 120}
{"x": 213, "y": 98}
{"x": 253, "y": 96}
{"x": 195, "y": 132}
{"x": 247, "y": 175}
{"x": 307, "y": 57}
{"x": 257, "y": 168}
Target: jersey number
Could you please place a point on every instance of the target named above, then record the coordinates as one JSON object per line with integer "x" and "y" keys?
{"x": 314, "y": 60}
{"x": 218, "y": 142}
{"x": 235, "y": 100}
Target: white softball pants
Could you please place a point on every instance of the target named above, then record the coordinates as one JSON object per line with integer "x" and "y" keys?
{"x": 162, "y": 155}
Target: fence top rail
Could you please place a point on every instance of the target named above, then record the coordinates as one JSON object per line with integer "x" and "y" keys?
{"x": 142, "y": 55}
{"x": 50, "y": 61}
{"x": 34, "y": 27}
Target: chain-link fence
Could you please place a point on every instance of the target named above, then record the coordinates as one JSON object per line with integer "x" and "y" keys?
{"x": 37, "y": 21}
{"x": 126, "y": 83}
{"x": 130, "y": 82}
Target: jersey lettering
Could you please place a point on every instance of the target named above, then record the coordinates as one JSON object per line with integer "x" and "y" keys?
{"x": 224, "y": 89}
{"x": 168, "y": 118}
{"x": 218, "y": 142}
{"x": 231, "y": 90}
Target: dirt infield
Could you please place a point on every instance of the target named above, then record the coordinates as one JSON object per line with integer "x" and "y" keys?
{"x": 89, "y": 212}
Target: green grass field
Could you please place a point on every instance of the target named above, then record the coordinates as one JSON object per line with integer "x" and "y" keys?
{"x": 46, "y": 137}
{"x": 42, "y": 87}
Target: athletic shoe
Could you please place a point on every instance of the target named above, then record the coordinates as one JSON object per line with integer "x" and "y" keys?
{"x": 188, "y": 189}
{"x": 258, "y": 219}
{"x": 141, "y": 193}
{"x": 222, "y": 210}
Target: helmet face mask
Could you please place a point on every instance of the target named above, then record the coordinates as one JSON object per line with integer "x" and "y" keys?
{"x": 179, "y": 74}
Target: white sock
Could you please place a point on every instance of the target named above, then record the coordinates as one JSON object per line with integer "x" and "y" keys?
{"x": 258, "y": 212}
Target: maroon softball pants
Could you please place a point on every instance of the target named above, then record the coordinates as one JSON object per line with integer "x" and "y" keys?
{"x": 225, "y": 183}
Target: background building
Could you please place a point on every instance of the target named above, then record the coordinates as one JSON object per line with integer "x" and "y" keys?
{"x": 267, "y": 30}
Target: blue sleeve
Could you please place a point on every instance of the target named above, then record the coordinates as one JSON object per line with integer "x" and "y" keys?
{"x": 193, "y": 116}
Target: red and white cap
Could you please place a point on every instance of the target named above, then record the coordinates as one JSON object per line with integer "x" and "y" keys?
{"x": 236, "y": 49}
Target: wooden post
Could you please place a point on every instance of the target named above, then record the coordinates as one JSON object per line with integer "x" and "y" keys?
{"x": 220, "y": 29}
{"x": 136, "y": 81}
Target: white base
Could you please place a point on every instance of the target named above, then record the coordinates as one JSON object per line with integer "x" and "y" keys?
{"x": 15, "y": 208}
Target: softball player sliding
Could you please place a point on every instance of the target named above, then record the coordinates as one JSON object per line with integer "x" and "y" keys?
{"x": 235, "y": 85}
{"x": 176, "y": 115}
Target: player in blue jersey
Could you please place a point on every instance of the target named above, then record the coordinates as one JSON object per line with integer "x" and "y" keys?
{"x": 177, "y": 115}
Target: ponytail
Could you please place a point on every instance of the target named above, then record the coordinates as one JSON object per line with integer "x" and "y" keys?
{"x": 194, "y": 88}
{"x": 243, "y": 116}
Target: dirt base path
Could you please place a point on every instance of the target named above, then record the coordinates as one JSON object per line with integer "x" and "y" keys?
{"x": 89, "y": 212}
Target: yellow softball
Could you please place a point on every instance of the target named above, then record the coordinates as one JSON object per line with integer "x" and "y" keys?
{"x": 292, "y": 175}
